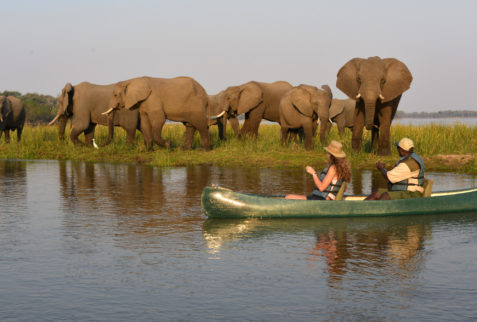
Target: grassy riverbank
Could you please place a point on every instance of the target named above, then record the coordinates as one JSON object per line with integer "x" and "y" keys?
{"x": 444, "y": 148}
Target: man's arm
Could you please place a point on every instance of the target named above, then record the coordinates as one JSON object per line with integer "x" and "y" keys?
{"x": 382, "y": 168}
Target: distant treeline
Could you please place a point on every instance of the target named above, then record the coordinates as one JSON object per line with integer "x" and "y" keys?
{"x": 435, "y": 115}
{"x": 40, "y": 109}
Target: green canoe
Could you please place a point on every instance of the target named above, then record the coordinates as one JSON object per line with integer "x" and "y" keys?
{"x": 218, "y": 202}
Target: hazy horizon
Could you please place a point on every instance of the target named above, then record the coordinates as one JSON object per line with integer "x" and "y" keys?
{"x": 219, "y": 43}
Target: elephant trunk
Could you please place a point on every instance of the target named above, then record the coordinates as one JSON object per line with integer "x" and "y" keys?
{"x": 369, "y": 108}
{"x": 324, "y": 126}
{"x": 62, "y": 119}
{"x": 110, "y": 129}
{"x": 223, "y": 127}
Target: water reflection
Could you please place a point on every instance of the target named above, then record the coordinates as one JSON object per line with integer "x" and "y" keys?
{"x": 358, "y": 245}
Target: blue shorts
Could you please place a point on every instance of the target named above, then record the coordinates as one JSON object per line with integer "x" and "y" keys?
{"x": 314, "y": 197}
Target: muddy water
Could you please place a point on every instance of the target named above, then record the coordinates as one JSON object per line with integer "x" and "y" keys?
{"x": 84, "y": 241}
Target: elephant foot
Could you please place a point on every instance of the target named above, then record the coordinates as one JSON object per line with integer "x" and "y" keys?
{"x": 384, "y": 153}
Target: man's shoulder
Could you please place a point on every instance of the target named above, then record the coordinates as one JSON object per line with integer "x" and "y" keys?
{"x": 412, "y": 164}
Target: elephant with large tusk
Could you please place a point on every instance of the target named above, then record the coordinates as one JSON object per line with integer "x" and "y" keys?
{"x": 220, "y": 118}
{"x": 257, "y": 100}
{"x": 84, "y": 104}
{"x": 12, "y": 116}
{"x": 377, "y": 85}
{"x": 180, "y": 99}
{"x": 301, "y": 107}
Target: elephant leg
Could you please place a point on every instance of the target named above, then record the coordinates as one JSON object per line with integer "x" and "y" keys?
{"x": 1, "y": 133}
{"x": 385, "y": 115}
{"x": 374, "y": 139}
{"x": 235, "y": 125}
{"x": 220, "y": 126}
{"x": 200, "y": 124}
{"x": 7, "y": 136}
{"x": 75, "y": 132}
{"x": 358, "y": 127}
{"x": 89, "y": 134}
{"x": 204, "y": 137}
{"x": 284, "y": 135}
{"x": 308, "y": 131}
{"x": 146, "y": 130}
{"x": 131, "y": 135}
{"x": 19, "y": 134}
{"x": 252, "y": 122}
{"x": 189, "y": 136}
{"x": 341, "y": 130}
{"x": 157, "y": 121}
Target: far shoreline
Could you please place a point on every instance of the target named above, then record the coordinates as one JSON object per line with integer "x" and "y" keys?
{"x": 444, "y": 148}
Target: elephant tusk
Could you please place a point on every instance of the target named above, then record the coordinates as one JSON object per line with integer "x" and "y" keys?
{"x": 330, "y": 120}
{"x": 108, "y": 111}
{"x": 376, "y": 126}
{"x": 53, "y": 121}
{"x": 217, "y": 116}
{"x": 358, "y": 96}
{"x": 381, "y": 97}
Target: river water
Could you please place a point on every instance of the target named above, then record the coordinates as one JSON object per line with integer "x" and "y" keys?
{"x": 104, "y": 242}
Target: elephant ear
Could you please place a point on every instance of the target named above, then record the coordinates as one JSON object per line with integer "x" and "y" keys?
{"x": 301, "y": 100}
{"x": 347, "y": 77}
{"x": 336, "y": 108}
{"x": 250, "y": 96}
{"x": 398, "y": 79}
{"x": 137, "y": 90}
{"x": 66, "y": 94}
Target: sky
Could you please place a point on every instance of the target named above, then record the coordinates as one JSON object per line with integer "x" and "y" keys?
{"x": 45, "y": 44}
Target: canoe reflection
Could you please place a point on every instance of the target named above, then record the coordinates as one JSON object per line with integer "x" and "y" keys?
{"x": 338, "y": 243}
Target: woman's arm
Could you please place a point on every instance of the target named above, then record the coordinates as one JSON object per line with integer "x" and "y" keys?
{"x": 321, "y": 185}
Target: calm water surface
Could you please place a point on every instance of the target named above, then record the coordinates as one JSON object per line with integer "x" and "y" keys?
{"x": 84, "y": 241}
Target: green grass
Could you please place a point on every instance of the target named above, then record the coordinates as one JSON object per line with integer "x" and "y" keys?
{"x": 41, "y": 142}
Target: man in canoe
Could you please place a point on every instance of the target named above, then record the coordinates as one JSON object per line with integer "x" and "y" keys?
{"x": 406, "y": 179}
{"x": 331, "y": 178}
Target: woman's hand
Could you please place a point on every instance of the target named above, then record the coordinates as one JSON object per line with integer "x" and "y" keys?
{"x": 310, "y": 170}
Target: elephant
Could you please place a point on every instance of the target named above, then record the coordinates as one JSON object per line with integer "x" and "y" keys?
{"x": 84, "y": 104}
{"x": 257, "y": 100}
{"x": 377, "y": 84}
{"x": 301, "y": 107}
{"x": 12, "y": 116}
{"x": 342, "y": 113}
{"x": 217, "y": 117}
{"x": 180, "y": 99}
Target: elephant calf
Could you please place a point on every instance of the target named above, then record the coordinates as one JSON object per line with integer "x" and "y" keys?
{"x": 300, "y": 108}
{"x": 12, "y": 116}
{"x": 342, "y": 113}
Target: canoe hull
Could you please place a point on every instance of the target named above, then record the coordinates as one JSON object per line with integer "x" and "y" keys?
{"x": 219, "y": 202}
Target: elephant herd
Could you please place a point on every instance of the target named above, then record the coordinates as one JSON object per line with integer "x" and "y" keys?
{"x": 374, "y": 87}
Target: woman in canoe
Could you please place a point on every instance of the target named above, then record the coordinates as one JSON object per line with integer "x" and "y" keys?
{"x": 331, "y": 178}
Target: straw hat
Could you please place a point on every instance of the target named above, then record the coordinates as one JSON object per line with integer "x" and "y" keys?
{"x": 336, "y": 149}
{"x": 405, "y": 144}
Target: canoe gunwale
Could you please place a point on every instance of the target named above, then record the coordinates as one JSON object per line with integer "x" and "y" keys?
{"x": 218, "y": 202}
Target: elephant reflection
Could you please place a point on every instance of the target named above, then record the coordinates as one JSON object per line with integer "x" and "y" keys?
{"x": 377, "y": 85}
